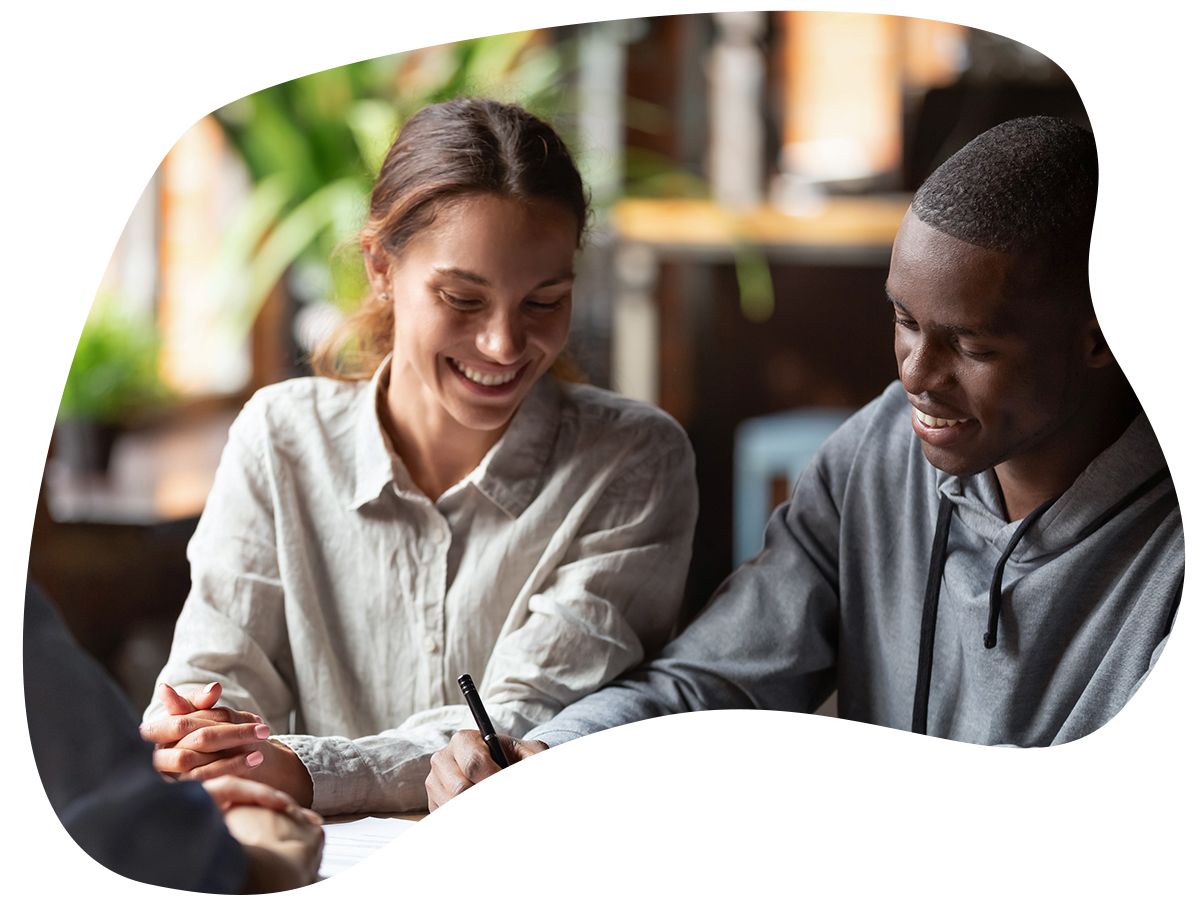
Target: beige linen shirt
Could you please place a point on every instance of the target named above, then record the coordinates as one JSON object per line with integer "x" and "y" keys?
{"x": 334, "y": 599}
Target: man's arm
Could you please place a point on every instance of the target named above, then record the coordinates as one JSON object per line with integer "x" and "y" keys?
{"x": 1111, "y": 811}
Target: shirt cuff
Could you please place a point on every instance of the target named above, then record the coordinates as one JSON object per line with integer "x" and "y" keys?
{"x": 340, "y": 776}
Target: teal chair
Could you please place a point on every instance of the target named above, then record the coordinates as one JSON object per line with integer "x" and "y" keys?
{"x": 769, "y": 454}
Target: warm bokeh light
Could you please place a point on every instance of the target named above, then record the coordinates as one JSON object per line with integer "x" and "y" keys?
{"x": 200, "y": 185}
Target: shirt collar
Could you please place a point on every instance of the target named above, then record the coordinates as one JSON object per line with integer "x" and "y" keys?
{"x": 372, "y": 457}
{"x": 509, "y": 475}
{"x": 511, "y": 472}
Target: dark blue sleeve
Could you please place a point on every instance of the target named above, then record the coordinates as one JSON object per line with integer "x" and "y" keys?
{"x": 98, "y": 774}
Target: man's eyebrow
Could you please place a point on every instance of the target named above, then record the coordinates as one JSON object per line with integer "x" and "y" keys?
{"x": 467, "y": 275}
{"x": 960, "y": 330}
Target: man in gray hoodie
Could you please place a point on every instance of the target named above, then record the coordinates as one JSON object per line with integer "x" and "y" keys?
{"x": 991, "y": 551}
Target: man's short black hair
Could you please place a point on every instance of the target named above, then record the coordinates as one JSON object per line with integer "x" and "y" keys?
{"x": 1025, "y": 187}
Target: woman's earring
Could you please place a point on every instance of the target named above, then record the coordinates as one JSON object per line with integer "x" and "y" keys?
{"x": 383, "y": 296}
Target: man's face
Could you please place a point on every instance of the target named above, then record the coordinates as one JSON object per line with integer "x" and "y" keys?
{"x": 995, "y": 376}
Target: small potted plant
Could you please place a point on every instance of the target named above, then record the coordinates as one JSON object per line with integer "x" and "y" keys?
{"x": 113, "y": 381}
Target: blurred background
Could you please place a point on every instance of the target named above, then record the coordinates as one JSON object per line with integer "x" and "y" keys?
{"x": 748, "y": 172}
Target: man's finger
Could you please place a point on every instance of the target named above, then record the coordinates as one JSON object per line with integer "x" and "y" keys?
{"x": 518, "y": 750}
{"x": 445, "y": 780}
{"x": 229, "y": 790}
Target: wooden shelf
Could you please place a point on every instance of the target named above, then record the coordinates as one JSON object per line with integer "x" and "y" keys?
{"x": 840, "y": 230}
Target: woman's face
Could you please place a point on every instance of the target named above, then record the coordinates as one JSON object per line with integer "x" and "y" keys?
{"x": 483, "y": 305}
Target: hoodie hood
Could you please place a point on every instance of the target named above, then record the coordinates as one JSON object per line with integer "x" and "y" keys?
{"x": 1147, "y": 459}
{"x": 1147, "y": 449}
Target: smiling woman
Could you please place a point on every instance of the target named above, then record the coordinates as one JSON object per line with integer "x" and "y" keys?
{"x": 446, "y": 152}
{"x": 482, "y": 309}
{"x": 440, "y": 499}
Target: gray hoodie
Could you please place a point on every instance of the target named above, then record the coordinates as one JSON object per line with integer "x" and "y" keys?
{"x": 836, "y": 599}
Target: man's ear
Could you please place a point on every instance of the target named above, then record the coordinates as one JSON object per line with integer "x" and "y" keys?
{"x": 1109, "y": 334}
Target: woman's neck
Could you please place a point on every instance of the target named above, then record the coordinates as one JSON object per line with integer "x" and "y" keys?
{"x": 437, "y": 450}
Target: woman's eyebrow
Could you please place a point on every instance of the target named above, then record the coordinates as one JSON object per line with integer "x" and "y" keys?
{"x": 466, "y": 275}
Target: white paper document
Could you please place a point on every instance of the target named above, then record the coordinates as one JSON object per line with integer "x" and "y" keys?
{"x": 395, "y": 849}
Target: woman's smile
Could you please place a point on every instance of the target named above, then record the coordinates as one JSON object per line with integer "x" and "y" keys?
{"x": 488, "y": 384}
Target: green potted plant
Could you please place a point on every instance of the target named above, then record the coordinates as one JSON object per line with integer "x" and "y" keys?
{"x": 313, "y": 147}
{"x": 112, "y": 382}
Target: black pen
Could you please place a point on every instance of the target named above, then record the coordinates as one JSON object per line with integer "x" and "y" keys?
{"x": 481, "y": 719}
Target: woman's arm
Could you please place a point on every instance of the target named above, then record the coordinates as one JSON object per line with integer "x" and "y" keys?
{"x": 610, "y": 594}
{"x": 231, "y": 632}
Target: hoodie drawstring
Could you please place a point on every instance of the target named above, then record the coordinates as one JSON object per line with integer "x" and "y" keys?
{"x": 933, "y": 589}
{"x": 989, "y": 637}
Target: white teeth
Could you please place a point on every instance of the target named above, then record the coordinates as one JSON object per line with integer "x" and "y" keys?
{"x": 933, "y": 422}
{"x": 481, "y": 378}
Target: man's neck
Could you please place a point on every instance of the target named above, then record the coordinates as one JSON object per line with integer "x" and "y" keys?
{"x": 1028, "y": 481}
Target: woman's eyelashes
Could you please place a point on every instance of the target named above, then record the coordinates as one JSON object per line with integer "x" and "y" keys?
{"x": 547, "y": 305}
{"x": 469, "y": 304}
{"x": 463, "y": 303}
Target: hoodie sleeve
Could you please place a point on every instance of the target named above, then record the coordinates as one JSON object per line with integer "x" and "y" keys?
{"x": 1110, "y": 813}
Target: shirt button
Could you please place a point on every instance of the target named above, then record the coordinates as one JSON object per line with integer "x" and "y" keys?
{"x": 431, "y": 644}
{"x": 439, "y": 534}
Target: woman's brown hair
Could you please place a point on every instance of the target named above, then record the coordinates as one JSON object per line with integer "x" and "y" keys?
{"x": 448, "y": 150}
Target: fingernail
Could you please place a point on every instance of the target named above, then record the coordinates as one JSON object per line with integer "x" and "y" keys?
{"x": 262, "y": 732}
{"x": 254, "y": 759}
{"x": 209, "y": 687}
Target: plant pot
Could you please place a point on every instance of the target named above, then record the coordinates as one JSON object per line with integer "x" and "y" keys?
{"x": 84, "y": 446}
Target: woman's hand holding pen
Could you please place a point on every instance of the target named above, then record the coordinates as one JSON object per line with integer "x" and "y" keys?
{"x": 198, "y": 740}
{"x": 469, "y": 795}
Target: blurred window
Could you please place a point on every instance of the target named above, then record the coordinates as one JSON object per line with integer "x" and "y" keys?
{"x": 202, "y": 182}
{"x": 844, "y": 82}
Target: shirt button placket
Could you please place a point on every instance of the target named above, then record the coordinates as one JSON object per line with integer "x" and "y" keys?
{"x": 439, "y": 546}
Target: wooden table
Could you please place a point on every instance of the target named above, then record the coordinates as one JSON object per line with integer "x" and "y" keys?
{"x": 730, "y": 856}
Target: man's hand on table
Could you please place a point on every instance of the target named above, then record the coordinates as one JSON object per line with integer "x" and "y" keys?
{"x": 198, "y": 740}
{"x": 469, "y": 795}
{"x": 693, "y": 775}
{"x": 282, "y": 841}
